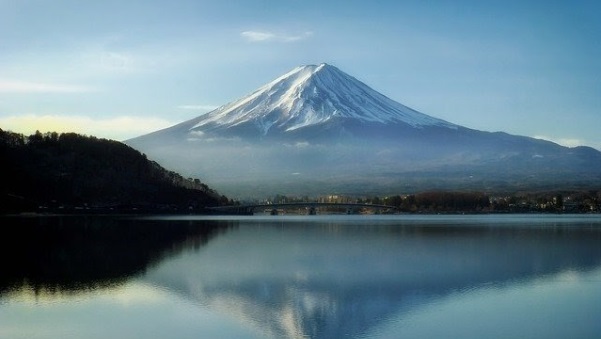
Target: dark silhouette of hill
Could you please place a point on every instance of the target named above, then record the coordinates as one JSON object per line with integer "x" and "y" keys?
{"x": 70, "y": 171}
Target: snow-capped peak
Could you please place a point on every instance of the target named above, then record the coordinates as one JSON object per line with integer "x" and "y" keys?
{"x": 310, "y": 95}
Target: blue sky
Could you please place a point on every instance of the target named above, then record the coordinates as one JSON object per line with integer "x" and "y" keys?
{"x": 118, "y": 69}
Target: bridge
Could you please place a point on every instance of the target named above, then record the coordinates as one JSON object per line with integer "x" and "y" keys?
{"x": 311, "y": 207}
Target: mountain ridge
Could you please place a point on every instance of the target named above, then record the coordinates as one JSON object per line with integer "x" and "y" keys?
{"x": 317, "y": 129}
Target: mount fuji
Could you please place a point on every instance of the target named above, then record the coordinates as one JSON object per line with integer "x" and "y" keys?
{"x": 318, "y": 130}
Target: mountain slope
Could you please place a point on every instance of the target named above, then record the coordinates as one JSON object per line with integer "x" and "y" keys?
{"x": 312, "y": 95}
{"x": 304, "y": 98}
{"x": 317, "y": 129}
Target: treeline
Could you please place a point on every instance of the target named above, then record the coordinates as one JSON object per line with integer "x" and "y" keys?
{"x": 438, "y": 201}
{"x": 538, "y": 202}
{"x": 69, "y": 170}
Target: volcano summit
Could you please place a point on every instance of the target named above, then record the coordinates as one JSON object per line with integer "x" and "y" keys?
{"x": 318, "y": 130}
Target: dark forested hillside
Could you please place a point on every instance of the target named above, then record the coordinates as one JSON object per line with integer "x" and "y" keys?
{"x": 73, "y": 171}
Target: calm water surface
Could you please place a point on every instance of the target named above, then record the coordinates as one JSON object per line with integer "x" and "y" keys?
{"x": 510, "y": 276}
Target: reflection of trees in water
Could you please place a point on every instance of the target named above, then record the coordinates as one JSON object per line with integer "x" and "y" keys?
{"x": 83, "y": 253}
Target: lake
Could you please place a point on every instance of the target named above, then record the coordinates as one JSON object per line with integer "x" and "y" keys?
{"x": 323, "y": 276}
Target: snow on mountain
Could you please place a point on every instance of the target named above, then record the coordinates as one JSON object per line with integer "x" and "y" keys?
{"x": 318, "y": 129}
{"x": 312, "y": 95}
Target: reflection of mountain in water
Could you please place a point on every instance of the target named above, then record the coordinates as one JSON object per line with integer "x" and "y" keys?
{"x": 327, "y": 281}
{"x": 83, "y": 253}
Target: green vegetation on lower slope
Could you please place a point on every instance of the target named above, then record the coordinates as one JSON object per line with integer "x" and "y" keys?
{"x": 71, "y": 171}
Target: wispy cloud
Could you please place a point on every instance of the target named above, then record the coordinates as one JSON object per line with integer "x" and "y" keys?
{"x": 9, "y": 86}
{"x": 97, "y": 61}
{"x": 118, "y": 128}
{"x": 120, "y": 55}
{"x": 266, "y": 36}
{"x": 255, "y": 36}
